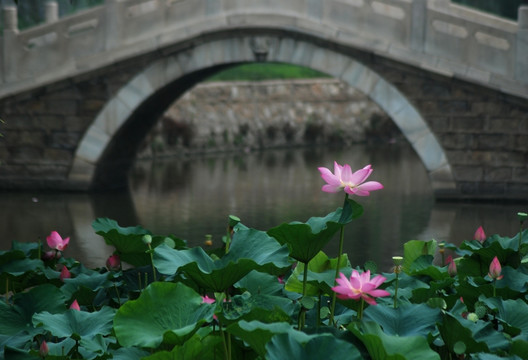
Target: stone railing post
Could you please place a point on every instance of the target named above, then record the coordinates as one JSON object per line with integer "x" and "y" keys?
{"x": 112, "y": 23}
{"x": 7, "y": 65}
{"x": 521, "y": 61}
{"x": 418, "y": 20}
{"x": 52, "y": 11}
{"x": 10, "y": 19}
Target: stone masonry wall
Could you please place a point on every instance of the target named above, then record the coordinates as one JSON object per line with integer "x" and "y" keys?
{"x": 220, "y": 116}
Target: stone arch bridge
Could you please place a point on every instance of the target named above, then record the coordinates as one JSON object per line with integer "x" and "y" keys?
{"x": 79, "y": 93}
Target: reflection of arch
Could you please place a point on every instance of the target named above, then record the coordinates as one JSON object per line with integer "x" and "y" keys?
{"x": 137, "y": 105}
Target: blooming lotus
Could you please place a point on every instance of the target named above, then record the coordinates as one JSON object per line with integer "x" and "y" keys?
{"x": 352, "y": 182}
{"x": 55, "y": 241}
{"x": 206, "y": 299}
{"x": 479, "y": 235}
{"x": 495, "y": 269}
{"x": 360, "y": 286}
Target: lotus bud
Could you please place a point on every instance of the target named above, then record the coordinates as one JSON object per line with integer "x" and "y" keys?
{"x": 113, "y": 263}
{"x": 480, "y": 236}
{"x": 64, "y": 274}
{"x": 147, "y": 239}
{"x": 44, "y": 349}
{"x": 75, "y": 305}
{"x": 495, "y": 269}
{"x": 452, "y": 269}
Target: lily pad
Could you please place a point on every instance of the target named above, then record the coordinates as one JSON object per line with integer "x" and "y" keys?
{"x": 163, "y": 312}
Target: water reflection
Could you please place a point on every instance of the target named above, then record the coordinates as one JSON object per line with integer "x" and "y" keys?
{"x": 192, "y": 198}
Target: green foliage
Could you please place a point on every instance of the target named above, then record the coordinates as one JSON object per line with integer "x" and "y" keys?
{"x": 266, "y": 71}
{"x": 127, "y": 314}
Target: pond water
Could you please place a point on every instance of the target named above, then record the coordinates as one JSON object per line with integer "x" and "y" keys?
{"x": 193, "y": 197}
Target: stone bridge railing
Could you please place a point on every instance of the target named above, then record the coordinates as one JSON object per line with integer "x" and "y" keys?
{"x": 431, "y": 34}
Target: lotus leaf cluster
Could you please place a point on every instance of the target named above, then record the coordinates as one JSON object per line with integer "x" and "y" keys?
{"x": 164, "y": 300}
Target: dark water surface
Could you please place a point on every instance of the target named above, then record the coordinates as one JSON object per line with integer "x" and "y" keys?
{"x": 193, "y": 197}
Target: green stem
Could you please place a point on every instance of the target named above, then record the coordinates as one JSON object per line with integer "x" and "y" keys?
{"x": 520, "y": 236}
{"x": 117, "y": 292}
{"x": 152, "y": 262}
{"x": 226, "y": 352}
{"x": 396, "y": 291}
{"x": 318, "y": 311}
{"x": 338, "y": 266}
{"x": 494, "y": 288}
{"x": 302, "y": 314}
{"x": 360, "y": 312}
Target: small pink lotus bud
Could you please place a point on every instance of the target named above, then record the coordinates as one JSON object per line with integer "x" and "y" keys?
{"x": 495, "y": 269}
{"x": 452, "y": 269}
{"x": 44, "y": 349}
{"x": 48, "y": 255}
{"x": 113, "y": 263}
{"x": 479, "y": 235}
{"x": 75, "y": 305}
{"x": 65, "y": 273}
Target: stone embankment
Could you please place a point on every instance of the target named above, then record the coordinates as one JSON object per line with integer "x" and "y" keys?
{"x": 244, "y": 115}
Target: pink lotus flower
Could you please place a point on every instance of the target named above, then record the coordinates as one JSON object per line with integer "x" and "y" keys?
{"x": 75, "y": 305}
{"x": 113, "y": 263}
{"x": 206, "y": 299}
{"x": 44, "y": 349}
{"x": 360, "y": 286}
{"x": 451, "y": 268}
{"x": 495, "y": 269}
{"x": 352, "y": 182}
{"x": 55, "y": 241}
{"x": 479, "y": 235}
{"x": 65, "y": 273}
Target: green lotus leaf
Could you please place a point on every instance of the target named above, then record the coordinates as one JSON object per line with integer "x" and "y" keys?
{"x": 196, "y": 348}
{"x": 512, "y": 312}
{"x": 260, "y": 283}
{"x": 128, "y": 353}
{"x": 323, "y": 346}
{"x": 250, "y": 250}
{"x": 75, "y": 322}
{"x": 17, "y": 318}
{"x": 383, "y": 346}
{"x": 477, "y": 336}
{"x": 261, "y": 307}
{"x": 414, "y": 249}
{"x": 257, "y": 334}
{"x": 128, "y": 241}
{"x": 164, "y": 312}
{"x": 305, "y": 240}
{"x": 321, "y": 275}
{"x": 406, "y": 320}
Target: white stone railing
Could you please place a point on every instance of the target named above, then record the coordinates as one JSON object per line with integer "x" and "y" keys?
{"x": 431, "y": 34}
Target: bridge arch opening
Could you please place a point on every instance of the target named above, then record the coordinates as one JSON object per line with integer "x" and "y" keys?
{"x": 124, "y": 121}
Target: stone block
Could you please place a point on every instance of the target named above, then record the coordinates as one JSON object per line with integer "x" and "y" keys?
{"x": 468, "y": 173}
{"x": 467, "y": 124}
{"x": 498, "y": 174}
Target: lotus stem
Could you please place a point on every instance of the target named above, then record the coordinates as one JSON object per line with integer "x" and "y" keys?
{"x": 338, "y": 266}
{"x": 360, "y": 312}
{"x": 302, "y": 314}
{"x": 396, "y": 291}
{"x": 152, "y": 262}
{"x": 224, "y": 342}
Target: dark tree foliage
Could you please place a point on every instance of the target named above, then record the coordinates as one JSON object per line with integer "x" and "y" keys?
{"x": 504, "y": 8}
